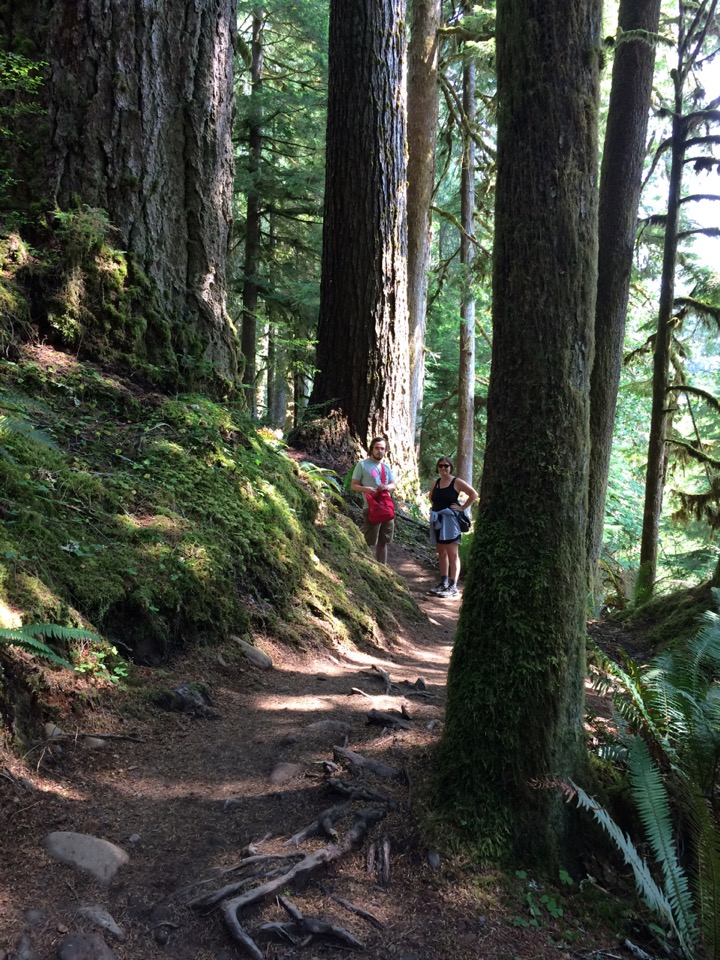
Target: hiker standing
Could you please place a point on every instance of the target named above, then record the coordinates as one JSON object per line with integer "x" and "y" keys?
{"x": 445, "y": 530}
{"x": 374, "y": 478}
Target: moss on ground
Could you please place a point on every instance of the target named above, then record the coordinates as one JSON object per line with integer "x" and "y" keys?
{"x": 160, "y": 521}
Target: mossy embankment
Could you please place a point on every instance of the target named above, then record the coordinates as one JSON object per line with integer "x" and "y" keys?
{"x": 161, "y": 521}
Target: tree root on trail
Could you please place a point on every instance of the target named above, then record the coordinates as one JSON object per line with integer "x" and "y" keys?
{"x": 353, "y": 908}
{"x": 323, "y": 824}
{"x": 308, "y": 928}
{"x": 307, "y": 866}
{"x": 373, "y": 766}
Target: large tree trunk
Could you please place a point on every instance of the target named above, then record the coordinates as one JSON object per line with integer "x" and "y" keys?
{"x": 620, "y": 184}
{"x": 362, "y": 351}
{"x": 141, "y": 103}
{"x": 515, "y": 692}
{"x": 422, "y": 124}
{"x": 248, "y": 340}
{"x": 466, "y": 372}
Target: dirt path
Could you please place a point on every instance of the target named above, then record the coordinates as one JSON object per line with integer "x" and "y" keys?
{"x": 186, "y": 799}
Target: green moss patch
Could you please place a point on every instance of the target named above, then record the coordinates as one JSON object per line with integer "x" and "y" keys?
{"x": 159, "y": 521}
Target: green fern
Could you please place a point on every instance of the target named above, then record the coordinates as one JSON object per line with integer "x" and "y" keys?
{"x": 29, "y": 638}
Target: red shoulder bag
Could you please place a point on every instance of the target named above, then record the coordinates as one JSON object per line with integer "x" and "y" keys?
{"x": 380, "y": 505}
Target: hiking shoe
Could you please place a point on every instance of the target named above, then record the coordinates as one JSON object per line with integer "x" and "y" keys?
{"x": 439, "y": 588}
{"x": 448, "y": 592}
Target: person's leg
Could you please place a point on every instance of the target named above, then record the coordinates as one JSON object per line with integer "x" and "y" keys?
{"x": 385, "y": 534}
{"x": 371, "y": 532}
{"x": 453, "y": 561}
{"x": 443, "y": 559}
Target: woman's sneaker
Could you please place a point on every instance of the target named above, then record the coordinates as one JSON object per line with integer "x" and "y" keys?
{"x": 443, "y": 585}
{"x": 449, "y": 591}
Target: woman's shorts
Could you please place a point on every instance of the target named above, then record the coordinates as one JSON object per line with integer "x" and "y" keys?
{"x": 378, "y": 533}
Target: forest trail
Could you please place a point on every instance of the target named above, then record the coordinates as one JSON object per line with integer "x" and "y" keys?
{"x": 189, "y": 794}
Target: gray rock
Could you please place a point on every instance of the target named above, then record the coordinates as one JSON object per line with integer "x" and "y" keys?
{"x": 253, "y": 654}
{"x": 434, "y": 860}
{"x": 34, "y": 917}
{"x": 94, "y": 743}
{"x": 330, "y": 726}
{"x": 99, "y": 857}
{"x": 53, "y": 730}
{"x": 289, "y": 739}
{"x": 24, "y": 950}
{"x": 285, "y": 772}
{"x": 232, "y": 804}
{"x": 193, "y": 698}
{"x": 101, "y": 918}
{"x": 134, "y": 838}
{"x": 84, "y": 946}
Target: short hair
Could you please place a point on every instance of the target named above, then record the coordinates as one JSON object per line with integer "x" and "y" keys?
{"x": 445, "y": 460}
{"x": 377, "y": 440}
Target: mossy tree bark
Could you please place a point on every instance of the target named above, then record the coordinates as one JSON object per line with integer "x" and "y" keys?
{"x": 362, "y": 351}
{"x": 423, "y": 110}
{"x": 141, "y": 103}
{"x": 515, "y": 689}
{"x": 620, "y": 184}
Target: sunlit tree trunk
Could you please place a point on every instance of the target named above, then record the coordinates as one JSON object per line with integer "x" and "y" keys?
{"x": 140, "y": 118}
{"x": 252, "y": 220}
{"x": 620, "y": 184}
{"x": 515, "y": 687}
{"x": 422, "y": 128}
{"x": 362, "y": 361}
{"x": 466, "y": 373}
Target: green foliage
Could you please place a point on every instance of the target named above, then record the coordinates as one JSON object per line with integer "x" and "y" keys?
{"x": 668, "y": 721}
{"x": 163, "y": 521}
{"x": 32, "y": 638}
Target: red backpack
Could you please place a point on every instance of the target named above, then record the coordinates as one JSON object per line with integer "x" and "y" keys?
{"x": 380, "y": 505}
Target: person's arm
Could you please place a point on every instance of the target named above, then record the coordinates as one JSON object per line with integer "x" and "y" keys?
{"x": 471, "y": 493}
{"x": 357, "y": 486}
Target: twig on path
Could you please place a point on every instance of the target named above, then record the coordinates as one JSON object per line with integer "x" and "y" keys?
{"x": 353, "y": 908}
{"x": 363, "y": 763}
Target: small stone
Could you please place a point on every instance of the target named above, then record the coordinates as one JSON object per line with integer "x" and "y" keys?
{"x": 99, "y": 857}
{"x": 221, "y": 660}
{"x": 285, "y": 772}
{"x": 421, "y": 683}
{"x": 330, "y": 726}
{"x": 53, "y": 730}
{"x": 253, "y": 654}
{"x": 434, "y": 860}
{"x": 100, "y": 917}
{"x": 432, "y": 725}
{"x": 84, "y": 946}
{"x": 24, "y": 950}
{"x": 134, "y": 838}
{"x": 232, "y": 804}
{"x": 34, "y": 917}
{"x": 162, "y": 935}
{"x": 288, "y": 739}
{"x": 94, "y": 743}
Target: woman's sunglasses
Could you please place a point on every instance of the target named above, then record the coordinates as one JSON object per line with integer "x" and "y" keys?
{"x": 442, "y": 466}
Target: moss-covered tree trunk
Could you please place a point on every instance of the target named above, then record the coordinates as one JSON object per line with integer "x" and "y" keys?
{"x": 620, "y": 183}
{"x": 141, "y": 103}
{"x": 362, "y": 351}
{"x": 515, "y": 705}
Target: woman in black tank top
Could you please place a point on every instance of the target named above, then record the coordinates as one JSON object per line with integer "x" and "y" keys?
{"x": 444, "y": 494}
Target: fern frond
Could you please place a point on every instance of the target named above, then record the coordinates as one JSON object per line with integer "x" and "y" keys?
{"x": 58, "y": 632}
{"x": 707, "y": 882}
{"x": 653, "y": 807}
{"x": 24, "y": 429}
{"x": 23, "y": 638}
{"x": 649, "y": 890}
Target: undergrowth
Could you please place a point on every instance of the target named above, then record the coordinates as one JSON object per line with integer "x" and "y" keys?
{"x": 160, "y": 521}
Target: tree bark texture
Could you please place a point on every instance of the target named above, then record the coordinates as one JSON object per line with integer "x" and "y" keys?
{"x": 515, "y": 690}
{"x": 620, "y": 184}
{"x": 423, "y": 110}
{"x": 248, "y": 337}
{"x": 141, "y": 104}
{"x": 466, "y": 372}
{"x": 362, "y": 352}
